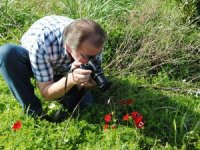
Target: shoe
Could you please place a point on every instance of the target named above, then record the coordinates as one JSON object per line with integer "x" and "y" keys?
{"x": 46, "y": 117}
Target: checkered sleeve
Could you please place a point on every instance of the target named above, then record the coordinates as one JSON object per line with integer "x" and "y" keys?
{"x": 41, "y": 66}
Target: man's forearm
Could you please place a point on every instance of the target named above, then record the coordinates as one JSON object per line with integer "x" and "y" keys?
{"x": 57, "y": 89}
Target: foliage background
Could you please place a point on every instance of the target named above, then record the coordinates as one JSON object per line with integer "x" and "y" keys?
{"x": 151, "y": 55}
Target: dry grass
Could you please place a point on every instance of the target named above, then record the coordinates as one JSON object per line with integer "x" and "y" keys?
{"x": 156, "y": 39}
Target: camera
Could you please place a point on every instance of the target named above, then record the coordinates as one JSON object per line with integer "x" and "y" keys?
{"x": 97, "y": 73}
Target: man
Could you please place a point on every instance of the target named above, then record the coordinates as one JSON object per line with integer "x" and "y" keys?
{"x": 52, "y": 51}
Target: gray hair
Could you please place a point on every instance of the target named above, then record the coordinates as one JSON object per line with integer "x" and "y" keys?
{"x": 81, "y": 30}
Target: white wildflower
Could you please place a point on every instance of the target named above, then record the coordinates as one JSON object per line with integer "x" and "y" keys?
{"x": 197, "y": 93}
{"x": 184, "y": 80}
{"x": 52, "y": 105}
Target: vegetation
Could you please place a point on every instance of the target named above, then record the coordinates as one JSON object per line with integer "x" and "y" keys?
{"x": 151, "y": 56}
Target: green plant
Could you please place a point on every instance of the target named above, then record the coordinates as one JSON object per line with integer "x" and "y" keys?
{"x": 144, "y": 38}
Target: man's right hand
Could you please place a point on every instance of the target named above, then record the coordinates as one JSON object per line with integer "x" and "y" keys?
{"x": 80, "y": 75}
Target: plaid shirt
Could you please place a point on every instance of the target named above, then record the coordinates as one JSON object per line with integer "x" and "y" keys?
{"x": 44, "y": 41}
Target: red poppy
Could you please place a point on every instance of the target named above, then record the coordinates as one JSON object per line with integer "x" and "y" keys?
{"x": 138, "y": 119}
{"x": 107, "y": 118}
{"x": 126, "y": 117}
{"x": 126, "y": 101}
{"x": 135, "y": 115}
{"x": 139, "y": 123}
{"x": 17, "y": 125}
{"x": 105, "y": 127}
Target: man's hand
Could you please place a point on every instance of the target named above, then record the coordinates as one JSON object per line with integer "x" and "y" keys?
{"x": 81, "y": 77}
{"x": 89, "y": 84}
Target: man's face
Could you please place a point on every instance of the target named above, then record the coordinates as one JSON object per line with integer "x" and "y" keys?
{"x": 85, "y": 51}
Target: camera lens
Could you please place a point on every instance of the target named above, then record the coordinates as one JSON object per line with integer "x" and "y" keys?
{"x": 100, "y": 79}
{"x": 104, "y": 85}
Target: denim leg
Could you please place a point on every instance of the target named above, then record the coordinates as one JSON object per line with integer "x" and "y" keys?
{"x": 72, "y": 98}
{"x": 16, "y": 70}
{"x": 87, "y": 99}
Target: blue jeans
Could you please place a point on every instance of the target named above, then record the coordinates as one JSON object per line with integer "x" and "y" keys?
{"x": 16, "y": 70}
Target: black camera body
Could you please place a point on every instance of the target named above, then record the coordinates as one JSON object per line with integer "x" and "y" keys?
{"x": 97, "y": 73}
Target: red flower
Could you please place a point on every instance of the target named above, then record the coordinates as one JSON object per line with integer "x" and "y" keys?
{"x": 139, "y": 122}
{"x": 126, "y": 117}
{"x": 105, "y": 127}
{"x": 107, "y": 118}
{"x": 126, "y": 101}
{"x": 135, "y": 115}
{"x": 17, "y": 125}
{"x": 138, "y": 119}
{"x": 113, "y": 126}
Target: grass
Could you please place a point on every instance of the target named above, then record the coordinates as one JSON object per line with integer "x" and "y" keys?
{"x": 171, "y": 122}
{"x": 151, "y": 56}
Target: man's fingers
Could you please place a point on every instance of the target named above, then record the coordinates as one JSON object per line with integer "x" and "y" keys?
{"x": 88, "y": 84}
{"x": 82, "y": 78}
{"x": 80, "y": 75}
{"x": 82, "y": 71}
{"x": 75, "y": 64}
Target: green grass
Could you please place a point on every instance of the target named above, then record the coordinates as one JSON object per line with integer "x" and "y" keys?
{"x": 152, "y": 50}
{"x": 171, "y": 121}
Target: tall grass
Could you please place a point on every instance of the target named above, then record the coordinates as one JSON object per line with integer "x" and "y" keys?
{"x": 157, "y": 38}
{"x": 144, "y": 37}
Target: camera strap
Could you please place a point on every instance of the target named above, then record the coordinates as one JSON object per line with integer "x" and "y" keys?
{"x": 80, "y": 92}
